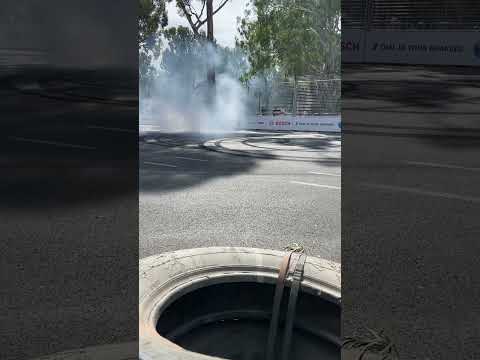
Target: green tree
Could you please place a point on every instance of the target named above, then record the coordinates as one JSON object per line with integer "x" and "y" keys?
{"x": 233, "y": 61}
{"x": 197, "y": 16}
{"x": 256, "y": 38}
{"x": 184, "y": 59}
{"x": 298, "y": 36}
{"x": 151, "y": 19}
{"x": 152, "y": 16}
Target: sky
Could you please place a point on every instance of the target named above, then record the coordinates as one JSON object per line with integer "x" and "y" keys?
{"x": 224, "y": 22}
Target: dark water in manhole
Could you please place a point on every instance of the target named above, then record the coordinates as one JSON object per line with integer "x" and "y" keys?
{"x": 231, "y": 320}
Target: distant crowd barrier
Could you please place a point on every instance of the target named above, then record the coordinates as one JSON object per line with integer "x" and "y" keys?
{"x": 329, "y": 123}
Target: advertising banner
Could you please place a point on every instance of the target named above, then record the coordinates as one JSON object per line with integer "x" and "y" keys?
{"x": 418, "y": 47}
{"x": 329, "y": 123}
{"x": 412, "y": 47}
{"x": 353, "y": 46}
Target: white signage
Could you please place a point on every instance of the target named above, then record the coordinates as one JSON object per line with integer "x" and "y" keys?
{"x": 412, "y": 47}
{"x": 329, "y": 123}
{"x": 353, "y": 45}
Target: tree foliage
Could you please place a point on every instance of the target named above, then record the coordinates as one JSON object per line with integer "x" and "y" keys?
{"x": 232, "y": 61}
{"x": 298, "y": 36}
{"x": 194, "y": 16}
{"x": 151, "y": 19}
{"x": 185, "y": 55}
{"x": 152, "y": 16}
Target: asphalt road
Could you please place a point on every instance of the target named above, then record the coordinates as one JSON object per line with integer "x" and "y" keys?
{"x": 409, "y": 223}
{"x": 410, "y": 208}
{"x": 194, "y": 197}
{"x": 68, "y": 210}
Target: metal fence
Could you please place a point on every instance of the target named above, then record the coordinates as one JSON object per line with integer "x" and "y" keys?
{"x": 411, "y": 15}
{"x": 306, "y": 95}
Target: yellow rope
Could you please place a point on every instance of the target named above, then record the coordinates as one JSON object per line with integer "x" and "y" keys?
{"x": 295, "y": 248}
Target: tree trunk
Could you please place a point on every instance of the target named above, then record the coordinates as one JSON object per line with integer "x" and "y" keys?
{"x": 267, "y": 92}
{"x": 210, "y": 20}
{"x": 211, "y": 67}
{"x": 294, "y": 108}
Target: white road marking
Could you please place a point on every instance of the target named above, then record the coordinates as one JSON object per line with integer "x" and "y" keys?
{"x": 447, "y": 166}
{"x": 321, "y": 173}
{"x": 111, "y": 129}
{"x": 188, "y": 158}
{"x": 192, "y": 173}
{"x": 422, "y": 192}
{"x": 159, "y": 164}
{"x": 55, "y": 143}
{"x": 316, "y": 185}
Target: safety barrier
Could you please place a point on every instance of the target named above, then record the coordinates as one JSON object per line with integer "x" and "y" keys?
{"x": 324, "y": 123}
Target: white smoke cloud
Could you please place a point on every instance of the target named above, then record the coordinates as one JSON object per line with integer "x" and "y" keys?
{"x": 178, "y": 100}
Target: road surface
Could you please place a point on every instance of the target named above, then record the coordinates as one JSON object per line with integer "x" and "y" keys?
{"x": 191, "y": 196}
{"x": 410, "y": 207}
{"x": 68, "y": 210}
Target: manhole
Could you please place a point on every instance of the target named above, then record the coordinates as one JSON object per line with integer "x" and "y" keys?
{"x": 231, "y": 321}
{"x": 212, "y": 303}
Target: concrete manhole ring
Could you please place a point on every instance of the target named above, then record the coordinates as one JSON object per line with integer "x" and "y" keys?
{"x": 208, "y": 286}
{"x": 172, "y": 281}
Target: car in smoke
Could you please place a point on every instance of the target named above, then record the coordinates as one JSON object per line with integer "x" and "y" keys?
{"x": 278, "y": 111}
